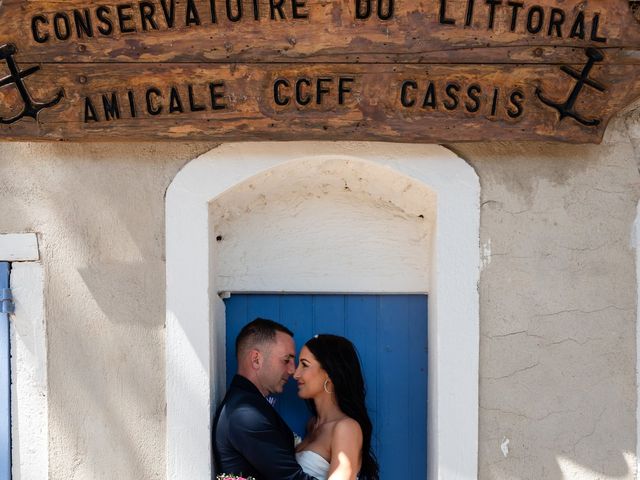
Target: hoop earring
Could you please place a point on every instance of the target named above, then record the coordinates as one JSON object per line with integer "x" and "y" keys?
{"x": 324, "y": 385}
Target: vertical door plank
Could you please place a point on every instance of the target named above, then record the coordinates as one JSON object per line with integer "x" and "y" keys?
{"x": 393, "y": 414}
{"x": 361, "y": 329}
{"x": 295, "y": 314}
{"x": 329, "y": 314}
{"x": 417, "y": 342}
{"x": 236, "y": 308}
{"x": 265, "y": 306}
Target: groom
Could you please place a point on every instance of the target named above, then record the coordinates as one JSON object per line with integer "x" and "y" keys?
{"x": 249, "y": 436}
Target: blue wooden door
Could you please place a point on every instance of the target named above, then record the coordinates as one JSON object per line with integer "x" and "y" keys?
{"x": 5, "y": 378}
{"x": 390, "y": 333}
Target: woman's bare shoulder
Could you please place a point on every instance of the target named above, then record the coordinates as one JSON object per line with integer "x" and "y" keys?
{"x": 347, "y": 427}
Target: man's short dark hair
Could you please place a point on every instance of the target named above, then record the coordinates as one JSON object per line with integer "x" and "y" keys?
{"x": 258, "y": 332}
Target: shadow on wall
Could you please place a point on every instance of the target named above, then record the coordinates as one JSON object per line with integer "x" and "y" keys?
{"x": 99, "y": 211}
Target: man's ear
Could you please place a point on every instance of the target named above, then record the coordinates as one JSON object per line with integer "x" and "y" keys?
{"x": 256, "y": 359}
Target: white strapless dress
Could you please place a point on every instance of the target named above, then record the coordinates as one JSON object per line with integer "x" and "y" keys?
{"x": 313, "y": 464}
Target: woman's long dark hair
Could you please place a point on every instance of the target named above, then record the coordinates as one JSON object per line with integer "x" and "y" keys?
{"x": 339, "y": 359}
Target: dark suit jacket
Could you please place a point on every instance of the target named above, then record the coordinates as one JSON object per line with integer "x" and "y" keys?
{"x": 251, "y": 439}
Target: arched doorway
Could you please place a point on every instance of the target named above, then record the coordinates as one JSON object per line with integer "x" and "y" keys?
{"x": 428, "y": 183}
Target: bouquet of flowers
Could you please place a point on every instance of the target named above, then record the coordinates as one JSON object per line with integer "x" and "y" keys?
{"x": 226, "y": 476}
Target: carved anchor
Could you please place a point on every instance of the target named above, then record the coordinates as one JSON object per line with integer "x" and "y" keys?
{"x": 566, "y": 109}
{"x": 31, "y": 107}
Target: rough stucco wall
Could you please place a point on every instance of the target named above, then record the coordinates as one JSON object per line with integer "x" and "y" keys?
{"x": 557, "y": 293}
{"x": 557, "y": 308}
{"x": 306, "y": 217}
{"x": 99, "y": 212}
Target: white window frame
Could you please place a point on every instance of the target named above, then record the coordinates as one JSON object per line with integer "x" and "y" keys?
{"x": 635, "y": 243}
{"x": 29, "y": 413}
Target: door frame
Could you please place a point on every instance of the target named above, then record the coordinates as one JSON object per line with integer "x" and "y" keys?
{"x": 194, "y": 310}
{"x": 29, "y": 388}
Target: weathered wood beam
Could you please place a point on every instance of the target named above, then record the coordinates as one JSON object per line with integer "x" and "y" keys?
{"x": 391, "y": 70}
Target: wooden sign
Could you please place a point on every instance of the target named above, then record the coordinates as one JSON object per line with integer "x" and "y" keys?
{"x": 392, "y": 70}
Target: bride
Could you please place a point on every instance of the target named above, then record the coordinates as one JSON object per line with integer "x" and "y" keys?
{"x": 338, "y": 441}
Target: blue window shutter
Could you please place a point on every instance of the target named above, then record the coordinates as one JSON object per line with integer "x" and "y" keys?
{"x": 6, "y": 306}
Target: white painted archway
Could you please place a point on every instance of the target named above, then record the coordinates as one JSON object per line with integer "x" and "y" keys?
{"x": 194, "y": 309}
